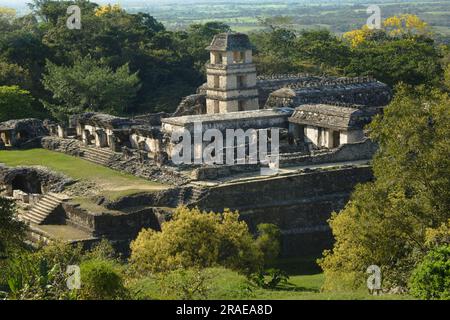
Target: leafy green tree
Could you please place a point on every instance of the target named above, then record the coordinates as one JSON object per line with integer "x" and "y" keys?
{"x": 322, "y": 49}
{"x": 15, "y": 103}
{"x": 12, "y": 231}
{"x": 385, "y": 221}
{"x": 50, "y": 11}
{"x": 13, "y": 74}
{"x": 412, "y": 60}
{"x": 7, "y": 17}
{"x": 88, "y": 85}
{"x": 197, "y": 239}
{"x": 431, "y": 278}
{"x": 283, "y": 51}
{"x": 447, "y": 77}
{"x": 275, "y": 51}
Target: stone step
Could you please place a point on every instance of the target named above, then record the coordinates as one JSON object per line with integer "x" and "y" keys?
{"x": 105, "y": 152}
{"x": 95, "y": 157}
{"x": 43, "y": 208}
{"x": 28, "y": 218}
{"x": 39, "y": 212}
{"x": 100, "y": 152}
{"x": 50, "y": 201}
{"x": 35, "y": 216}
{"x": 97, "y": 154}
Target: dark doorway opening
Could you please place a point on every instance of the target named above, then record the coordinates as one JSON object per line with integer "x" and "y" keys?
{"x": 26, "y": 184}
{"x": 336, "y": 139}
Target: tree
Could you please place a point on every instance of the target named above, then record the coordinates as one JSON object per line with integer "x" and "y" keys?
{"x": 15, "y": 103}
{"x": 322, "y": 48}
{"x": 405, "y": 24}
{"x": 50, "y": 11}
{"x": 13, "y": 74}
{"x": 12, "y": 231}
{"x": 447, "y": 77}
{"x": 88, "y": 85}
{"x": 431, "y": 278}
{"x": 195, "y": 239}
{"x": 7, "y": 16}
{"x": 413, "y": 61}
{"x": 385, "y": 221}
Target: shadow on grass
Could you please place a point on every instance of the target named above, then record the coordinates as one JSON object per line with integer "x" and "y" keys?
{"x": 294, "y": 288}
{"x": 298, "y": 266}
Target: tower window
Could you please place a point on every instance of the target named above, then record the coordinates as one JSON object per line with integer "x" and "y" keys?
{"x": 216, "y": 81}
{"x": 241, "y": 105}
{"x": 216, "y": 106}
{"x": 240, "y": 82}
{"x": 238, "y": 56}
{"x": 216, "y": 58}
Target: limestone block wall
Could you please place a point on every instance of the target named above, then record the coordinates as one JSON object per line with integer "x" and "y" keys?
{"x": 361, "y": 150}
{"x": 351, "y": 136}
{"x": 112, "y": 226}
{"x": 299, "y": 204}
{"x": 151, "y": 145}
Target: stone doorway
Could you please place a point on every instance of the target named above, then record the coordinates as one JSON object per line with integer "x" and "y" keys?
{"x": 336, "y": 139}
{"x": 26, "y": 184}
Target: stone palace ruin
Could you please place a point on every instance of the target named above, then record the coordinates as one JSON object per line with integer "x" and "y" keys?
{"x": 323, "y": 154}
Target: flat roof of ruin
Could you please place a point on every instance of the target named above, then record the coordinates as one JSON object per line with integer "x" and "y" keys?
{"x": 229, "y": 116}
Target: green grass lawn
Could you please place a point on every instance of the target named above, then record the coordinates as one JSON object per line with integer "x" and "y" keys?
{"x": 113, "y": 183}
{"x": 227, "y": 284}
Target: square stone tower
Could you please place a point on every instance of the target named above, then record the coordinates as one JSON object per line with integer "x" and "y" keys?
{"x": 231, "y": 75}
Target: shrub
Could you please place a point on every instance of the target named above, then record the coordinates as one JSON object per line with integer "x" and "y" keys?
{"x": 185, "y": 284}
{"x": 268, "y": 241}
{"x": 102, "y": 250}
{"x": 42, "y": 275}
{"x": 195, "y": 239}
{"x": 270, "y": 278}
{"x": 431, "y": 278}
{"x": 101, "y": 280}
{"x": 438, "y": 236}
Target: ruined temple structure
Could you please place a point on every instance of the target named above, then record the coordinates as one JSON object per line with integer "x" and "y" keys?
{"x": 324, "y": 151}
{"x": 14, "y": 133}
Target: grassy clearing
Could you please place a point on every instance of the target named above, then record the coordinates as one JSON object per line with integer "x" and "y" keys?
{"x": 226, "y": 284}
{"x": 113, "y": 183}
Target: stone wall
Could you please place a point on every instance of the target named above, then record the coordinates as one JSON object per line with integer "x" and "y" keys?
{"x": 299, "y": 204}
{"x": 222, "y": 171}
{"x": 34, "y": 180}
{"x": 120, "y": 226}
{"x": 363, "y": 150}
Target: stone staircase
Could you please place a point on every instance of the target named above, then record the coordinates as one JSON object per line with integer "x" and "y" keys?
{"x": 191, "y": 194}
{"x": 43, "y": 208}
{"x": 99, "y": 156}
